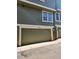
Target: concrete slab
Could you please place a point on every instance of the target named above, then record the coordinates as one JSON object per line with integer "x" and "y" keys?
{"x": 52, "y": 51}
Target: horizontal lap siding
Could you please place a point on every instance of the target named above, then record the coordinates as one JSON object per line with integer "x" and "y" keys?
{"x": 47, "y": 3}
{"x": 58, "y": 22}
{"x": 58, "y": 2}
{"x": 27, "y": 15}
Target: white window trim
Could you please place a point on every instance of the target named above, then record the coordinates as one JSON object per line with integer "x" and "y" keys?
{"x": 42, "y": 0}
{"x": 47, "y": 17}
{"x": 56, "y": 18}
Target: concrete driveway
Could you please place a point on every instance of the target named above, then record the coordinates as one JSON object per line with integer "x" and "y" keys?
{"x": 52, "y": 51}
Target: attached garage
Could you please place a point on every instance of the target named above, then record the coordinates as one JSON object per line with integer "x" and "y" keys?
{"x": 33, "y": 34}
{"x": 58, "y": 32}
{"x": 30, "y": 36}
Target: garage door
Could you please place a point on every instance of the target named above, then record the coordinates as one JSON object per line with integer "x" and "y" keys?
{"x": 30, "y": 36}
{"x": 59, "y": 32}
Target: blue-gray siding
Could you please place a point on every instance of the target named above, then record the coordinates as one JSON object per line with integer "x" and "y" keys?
{"x": 47, "y": 3}
{"x": 27, "y": 15}
{"x": 32, "y": 16}
{"x": 58, "y": 4}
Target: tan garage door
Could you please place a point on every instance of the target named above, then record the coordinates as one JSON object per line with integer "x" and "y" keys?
{"x": 30, "y": 36}
{"x": 59, "y": 32}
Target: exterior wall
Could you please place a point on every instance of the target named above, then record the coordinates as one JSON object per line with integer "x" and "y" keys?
{"x": 30, "y": 36}
{"x": 59, "y": 21}
{"x": 58, "y": 8}
{"x": 27, "y": 15}
{"x": 47, "y": 3}
{"x": 33, "y": 16}
{"x": 58, "y": 4}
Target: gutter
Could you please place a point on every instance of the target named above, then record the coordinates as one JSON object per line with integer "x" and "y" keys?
{"x": 37, "y": 5}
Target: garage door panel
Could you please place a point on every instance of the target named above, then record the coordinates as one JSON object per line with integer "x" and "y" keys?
{"x": 30, "y": 36}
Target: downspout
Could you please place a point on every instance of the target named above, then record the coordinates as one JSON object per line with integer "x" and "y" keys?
{"x": 54, "y": 29}
{"x": 55, "y": 12}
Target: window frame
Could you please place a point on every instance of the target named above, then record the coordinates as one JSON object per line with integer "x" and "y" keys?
{"x": 42, "y": 0}
{"x": 58, "y": 16}
{"x": 47, "y": 17}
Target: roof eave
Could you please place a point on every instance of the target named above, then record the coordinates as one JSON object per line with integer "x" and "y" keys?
{"x": 37, "y": 5}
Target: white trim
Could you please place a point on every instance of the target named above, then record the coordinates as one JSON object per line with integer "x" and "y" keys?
{"x": 42, "y": 0}
{"x": 57, "y": 31}
{"x": 51, "y": 34}
{"x": 33, "y": 46}
{"x": 19, "y": 36}
{"x": 58, "y": 25}
{"x": 18, "y": 24}
{"x": 59, "y": 9}
{"x": 38, "y": 5}
{"x": 42, "y": 16}
{"x": 47, "y": 16}
{"x": 35, "y": 26}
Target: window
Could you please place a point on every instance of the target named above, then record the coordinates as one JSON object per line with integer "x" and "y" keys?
{"x": 42, "y": 0}
{"x": 50, "y": 17}
{"x": 47, "y": 16}
{"x": 58, "y": 16}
